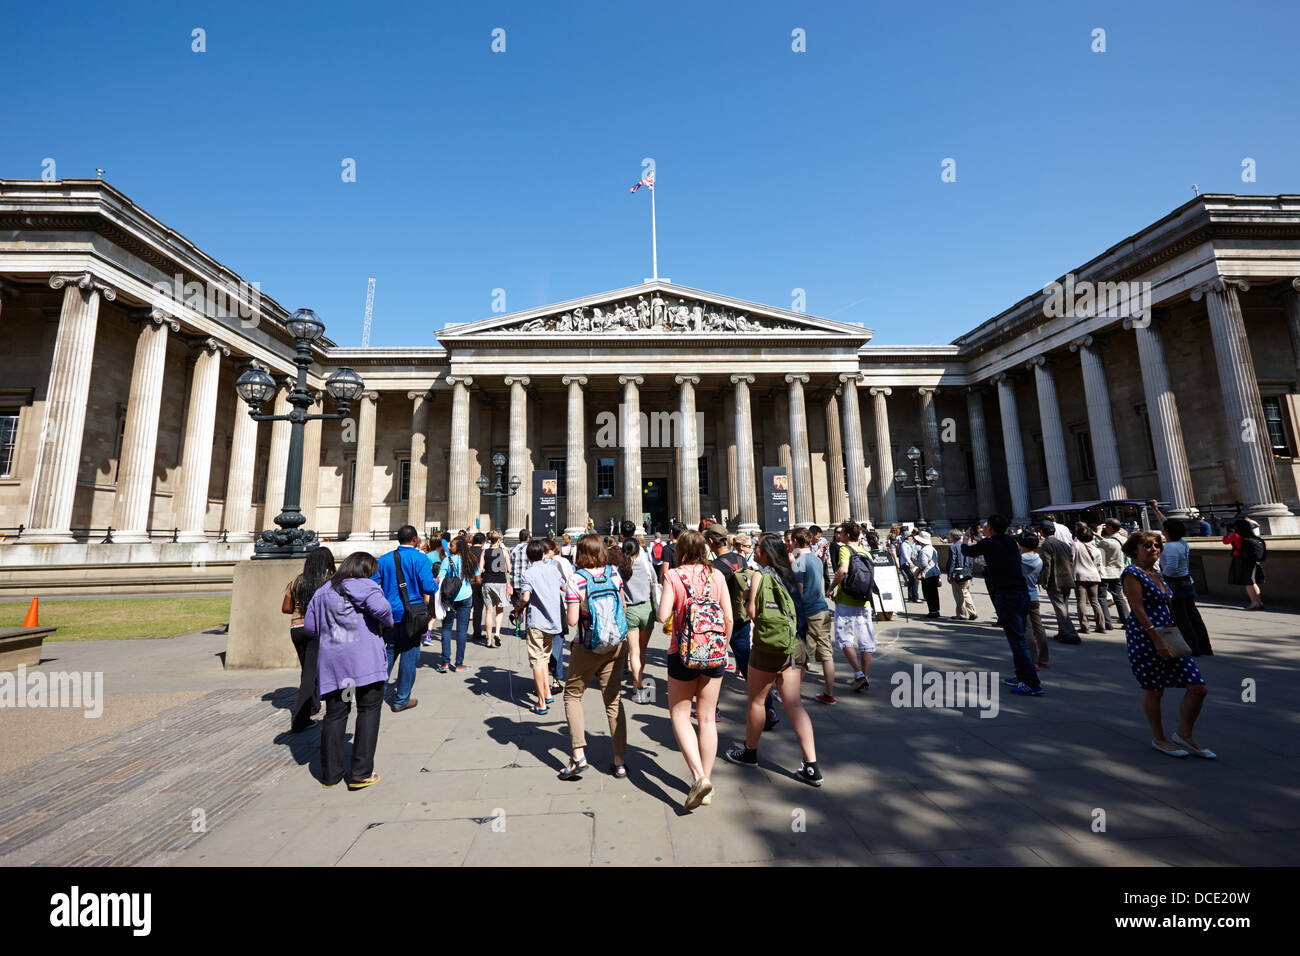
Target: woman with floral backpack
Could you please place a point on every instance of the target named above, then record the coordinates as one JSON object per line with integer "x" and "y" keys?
{"x": 695, "y": 599}
{"x": 593, "y": 596}
{"x": 770, "y": 605}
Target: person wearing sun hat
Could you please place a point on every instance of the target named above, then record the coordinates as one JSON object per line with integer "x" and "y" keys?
{"x": 927, "y": 569}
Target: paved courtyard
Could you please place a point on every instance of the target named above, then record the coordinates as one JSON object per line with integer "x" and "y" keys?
{"x": 193, "y": 765}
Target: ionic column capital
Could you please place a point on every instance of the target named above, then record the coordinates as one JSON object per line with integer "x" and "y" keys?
{"x": 802, "y": 379}
{"x": 631, "y": 380}
{"x": 85, "y": 282}
{"x": 737, "y": 379}
{"x": 880, "y": 390}
{"x": 1220, "y": 284}
{"x": 854, "y": 377}
{"x": 413, "y": 395}
{"x": 927, "y": 390}
{"x": 523, "y": 380}
{"x": 979, "y": 388}
{"x": 372, "y": 396}
{"x": 1295, "y": 283}
{"x": 570, "y": 379}
{"x": 1004, "y": 377}
{"x": 210, "y": 344}
{"x": 155, "y": 315}
{"x": 1040, "y": 361}
{"x": 1086, "y": 341}
{"x": 686, "y": 379}
{"x": 466, "y": 380}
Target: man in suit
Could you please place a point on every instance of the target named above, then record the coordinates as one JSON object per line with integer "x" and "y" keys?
{"x": 1058, "y": 578}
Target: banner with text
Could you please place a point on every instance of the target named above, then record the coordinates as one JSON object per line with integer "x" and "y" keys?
{"x": 545, "y": 493}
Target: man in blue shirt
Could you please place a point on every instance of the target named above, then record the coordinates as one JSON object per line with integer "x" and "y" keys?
{"x": 399, "y": 646}
{"x": 813, "y": 614}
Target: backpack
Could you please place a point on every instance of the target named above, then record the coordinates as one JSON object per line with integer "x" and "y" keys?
{"x": 775, "y": 626}
{"x": 453, "y": 582}
{"x": 1254, "y": 548}
{"x": 604, "y": 626}
{"x": 659, "y": 551}
{"x": 861, "y": 577}
{"x": 702, "y": 642}
{"x": 738, "y": 584}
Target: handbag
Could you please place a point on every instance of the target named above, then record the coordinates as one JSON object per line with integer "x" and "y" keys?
{"x": 415, "y": 622}
{"x": 1173, "y": 639}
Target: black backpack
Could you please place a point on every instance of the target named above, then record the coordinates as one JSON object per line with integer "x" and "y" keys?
{"x": 1254, "y": 548}
{"x": 861, "y": 578}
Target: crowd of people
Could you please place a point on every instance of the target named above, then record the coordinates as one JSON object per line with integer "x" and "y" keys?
{"x": 763, "y": 609}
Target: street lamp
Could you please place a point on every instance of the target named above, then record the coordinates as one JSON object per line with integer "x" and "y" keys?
{"x": 498, "y": 486}
{"x": 919, "y": 484}
{"x": 257, "y": 387}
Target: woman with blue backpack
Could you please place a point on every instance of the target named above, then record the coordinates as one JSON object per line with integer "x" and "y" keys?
{"x": 695, "y": 598}
{"x": 595, "y": 606}
{"x": 771, "y": 608}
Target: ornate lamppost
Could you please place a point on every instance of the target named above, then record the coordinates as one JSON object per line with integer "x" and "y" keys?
{"x": 919, "y": 483}
{"x": 498, "y": 486}
{"x": 256, "y": 387}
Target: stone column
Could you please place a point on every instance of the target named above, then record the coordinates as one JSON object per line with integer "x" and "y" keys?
{"x": 238, "y": 516}
{"x": 278, "y": 465}
{"x": 690, "y": 452}
{"x": 1015, "y": 449}
{"x": 1247, "y": 432}
{"x": 979, "y": 439}
{"x": 1162, "y": 413}
{"x": 362, "y": 488}
{"x": 884, "y": 451}
{"x": 631, "y": 437}
{"x": 58, "y": 456}
{"x": 939, "y": 522}
{"x": 733, "y": 484}
{"x": 1101, "y": 425}
{"x": 781, "y": 414}
{"x": 416, "y": 502}
{"x": 746, "y": 481}
{"x": 191, "y": 507}
{"x": 576, "y": 457}
{"x": 857, "y": 462}
{"x": 311, "y": 441}
{"x": 518, "y": 507}
{"x": 1049, "y": 413}
{"x": 1291, "y": 302}
{"x": 458, "y": 483}
{"x": 800, "y": 463}
{"x": 838, "y": 493}
{"x": 140, "y": 439}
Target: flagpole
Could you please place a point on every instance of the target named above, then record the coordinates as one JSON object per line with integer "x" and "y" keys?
{"x": 654, "y": 241}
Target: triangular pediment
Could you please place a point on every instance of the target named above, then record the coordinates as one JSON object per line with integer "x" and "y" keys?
{"x": 653, "y": 310}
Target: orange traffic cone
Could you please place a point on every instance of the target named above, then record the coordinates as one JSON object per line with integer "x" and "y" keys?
{"x": 33, "y": 612}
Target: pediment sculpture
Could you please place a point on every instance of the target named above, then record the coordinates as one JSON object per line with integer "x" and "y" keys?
{"x": 653, "y": 314}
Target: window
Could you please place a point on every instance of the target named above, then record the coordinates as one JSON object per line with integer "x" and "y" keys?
{"x": 261, "y": 481}
{"x": 605, "y": 478}
{"x": 1084, "y": 443}
{"x": 404, "y": 480}
{"x": 561, "y": 468}
{"x": 8, "y": 440}
{"x": 970, "y": 469}
{"x": 1276, "y": 425}
{"x": 352, "y": 481}
{"x": 704, "y": 477}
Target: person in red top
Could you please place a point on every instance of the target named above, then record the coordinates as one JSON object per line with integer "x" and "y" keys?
{"x": 1247, "y": 553}
{"x": 684, "y": 685}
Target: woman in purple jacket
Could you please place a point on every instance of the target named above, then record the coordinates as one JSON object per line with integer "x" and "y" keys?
{"x": 349, "y": 615}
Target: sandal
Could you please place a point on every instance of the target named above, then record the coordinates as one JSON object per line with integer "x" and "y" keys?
{"x": 574, "y": 770}
{"x": 441, "y": 668}
{"x": 540, "y": 711}
{"x": 618, "y": 770}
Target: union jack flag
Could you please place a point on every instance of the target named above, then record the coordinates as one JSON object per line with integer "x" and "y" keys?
{"x": 648, "y": 180}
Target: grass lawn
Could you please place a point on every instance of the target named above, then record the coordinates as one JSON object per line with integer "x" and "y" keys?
{"x": 133, "y": 617}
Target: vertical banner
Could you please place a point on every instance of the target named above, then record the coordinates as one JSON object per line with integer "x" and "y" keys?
{"x": 545, "y": 492}
{"x": 776, "y": 499}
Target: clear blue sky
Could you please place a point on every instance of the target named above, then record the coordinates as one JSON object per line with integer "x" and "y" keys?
{"x": 816, "y": 170}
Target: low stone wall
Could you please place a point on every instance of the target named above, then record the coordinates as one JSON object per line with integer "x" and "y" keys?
{"x": 54, "y": 581}
{"x": 16, "y": 554}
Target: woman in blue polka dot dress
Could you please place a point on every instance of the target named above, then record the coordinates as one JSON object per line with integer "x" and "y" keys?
{"x": 1153, "y": 663}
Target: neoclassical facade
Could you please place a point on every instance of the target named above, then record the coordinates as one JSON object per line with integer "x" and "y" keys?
{"x": 120, "y": 429}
